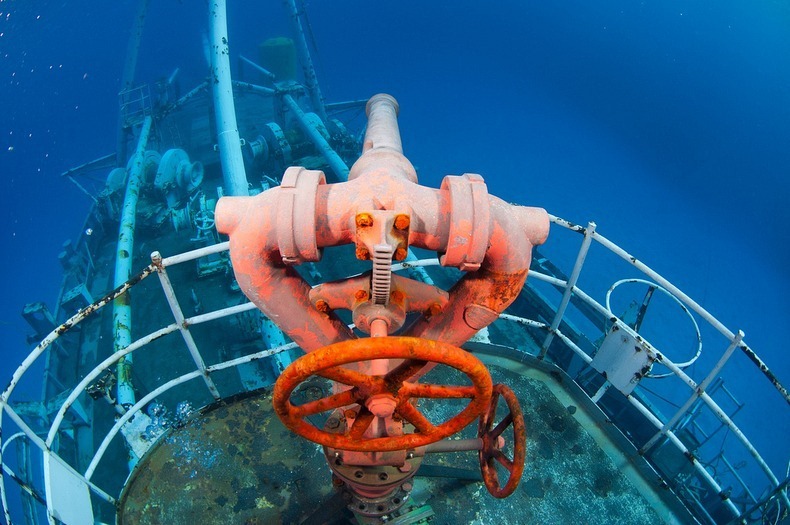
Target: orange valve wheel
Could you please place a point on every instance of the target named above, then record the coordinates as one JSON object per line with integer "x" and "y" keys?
{"x": 417, "y": 354}
{"x": 491, "y": 453}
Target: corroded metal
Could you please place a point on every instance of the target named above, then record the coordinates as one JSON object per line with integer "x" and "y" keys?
{"x": 496, "y": 236}
{"x": 491, "y": 453}
{"x": 326, "y": 362}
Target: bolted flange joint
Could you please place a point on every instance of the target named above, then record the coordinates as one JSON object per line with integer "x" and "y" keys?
{"x": 296, "y": 217}
{"x": 469, "y": 221}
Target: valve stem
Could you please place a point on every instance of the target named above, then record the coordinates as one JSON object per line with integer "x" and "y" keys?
{"x": 382, "y": 274}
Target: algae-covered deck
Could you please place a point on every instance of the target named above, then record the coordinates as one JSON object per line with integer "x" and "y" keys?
{"x": 236, "y": 462}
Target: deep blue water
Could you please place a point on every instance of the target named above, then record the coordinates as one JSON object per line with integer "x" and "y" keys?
{"x": 668, "y": 123}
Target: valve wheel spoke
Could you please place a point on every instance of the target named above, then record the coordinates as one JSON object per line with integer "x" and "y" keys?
{"x": 404, "y": 371}
{"x": 410, "y": 413}
{"x": 491, "y": 453}
{"x": 502, "y": 426}
{"x": 325, "y": 403}
{"x": 361, "y": 423}
{"x": 345, "y": 376}
{"x": 503, "y": 460}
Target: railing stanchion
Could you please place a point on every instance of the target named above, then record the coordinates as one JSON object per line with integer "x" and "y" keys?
{"x": 566, "y": 297}
{"x": 170, "y": 294}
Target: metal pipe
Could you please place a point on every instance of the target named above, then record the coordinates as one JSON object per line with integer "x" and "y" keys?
{"x": 330, "y": 155}
{"x": 454, "y": 445}
{"x": 190, "y": 95}
{"x": 268, "y": 74}
{"x": 566, "y": 296}
{"x": 382, "y": 131}
{"x": 122, "y": 310}
{"x": 227, "y": 129}
{"x": 217, "y": 314}
{"x": 254, "y": 88}
{"x": 195, "y": 254}
{"x": 310, "y": 80}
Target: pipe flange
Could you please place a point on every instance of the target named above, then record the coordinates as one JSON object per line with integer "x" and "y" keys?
{"x": 296, "y": 237}
{"x": 469, "y": 221}
{"x": 375, "y": 508}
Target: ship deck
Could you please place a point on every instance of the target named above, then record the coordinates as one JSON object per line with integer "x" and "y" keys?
{"x": 235, "y": 462}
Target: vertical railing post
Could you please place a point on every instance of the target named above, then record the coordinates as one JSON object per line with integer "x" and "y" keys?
{"x": 178, "y": 315}
{"x": 695, "y": 394}
{"x": 566, "y": 297}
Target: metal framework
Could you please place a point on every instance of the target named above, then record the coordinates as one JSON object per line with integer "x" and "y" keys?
{"x": 159, "y": 266}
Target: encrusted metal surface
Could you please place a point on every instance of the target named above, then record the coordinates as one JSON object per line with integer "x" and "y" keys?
{"x": 236, "y": 463}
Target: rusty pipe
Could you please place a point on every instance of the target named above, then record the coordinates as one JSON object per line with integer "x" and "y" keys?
{"x": 275, "y": 288}
{"x": 477, "y": 232}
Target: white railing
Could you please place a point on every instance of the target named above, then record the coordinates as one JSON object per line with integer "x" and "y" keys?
{"x": 182, "y": 325}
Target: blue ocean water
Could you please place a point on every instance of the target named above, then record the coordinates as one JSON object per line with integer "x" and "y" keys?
{"x": 667, "y": 123}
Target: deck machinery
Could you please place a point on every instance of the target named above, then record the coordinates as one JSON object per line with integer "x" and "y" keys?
{"x": 329, "y": 344}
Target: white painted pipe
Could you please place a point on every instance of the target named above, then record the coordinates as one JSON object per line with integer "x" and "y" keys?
{"x": 122, "y": 309}
{"x": 227, "y": 129}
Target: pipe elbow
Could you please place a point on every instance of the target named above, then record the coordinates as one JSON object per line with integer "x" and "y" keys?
{"x": 534, "y": 223}
{"x": 230, "y": 212}
{"x": 514, "y": 231}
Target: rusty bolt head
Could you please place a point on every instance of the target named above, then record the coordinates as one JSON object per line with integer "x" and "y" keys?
{"x": 350, "y": 414}
{"x": 361, "y": 295}
{"x": 435, "y": 309}
{"x": 322, "y": 306}
{"x": 364, "y": 220}
{"x": 402, "y": 222}
{"x": 397, "y": 296}
{"x": 401, "y": 253}
{"x": 362, "y": 253}
{"x": 332, "y": 423}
